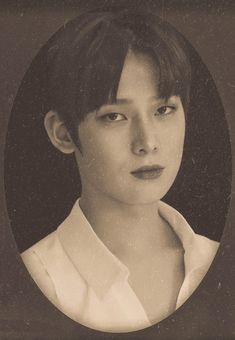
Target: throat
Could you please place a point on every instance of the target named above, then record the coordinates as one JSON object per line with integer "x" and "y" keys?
{"x": 129, "y": 230}
{"x": 156, "y": 281}
{"x": 147, "y": 245}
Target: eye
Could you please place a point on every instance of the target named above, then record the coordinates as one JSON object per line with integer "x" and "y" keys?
{"x": 165, "y": 110}
{"x": 113, "y": 117}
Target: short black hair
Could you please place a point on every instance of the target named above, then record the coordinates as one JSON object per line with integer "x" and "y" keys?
{"x": 39, "y": 176}
{"x": 86, "y": 56}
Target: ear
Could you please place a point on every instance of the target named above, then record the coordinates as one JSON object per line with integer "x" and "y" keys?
{"x": 58, "y": 133}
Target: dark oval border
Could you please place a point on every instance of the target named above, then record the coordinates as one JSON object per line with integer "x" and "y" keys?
{"x": 9, "y": 251}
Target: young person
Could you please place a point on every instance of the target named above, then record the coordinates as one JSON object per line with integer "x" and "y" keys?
{"x": 118, "y": 93}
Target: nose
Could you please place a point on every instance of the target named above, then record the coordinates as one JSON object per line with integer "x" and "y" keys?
{"x": 145, "y": 140}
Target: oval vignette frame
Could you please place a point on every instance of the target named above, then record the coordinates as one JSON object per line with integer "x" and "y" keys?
{"x": 203, "y": 283}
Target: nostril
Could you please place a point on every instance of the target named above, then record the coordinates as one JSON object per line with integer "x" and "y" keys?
{"x": 144, "y": 141}
{"x": 141, "y": 151}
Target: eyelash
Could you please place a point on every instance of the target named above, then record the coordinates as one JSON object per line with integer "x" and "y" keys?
{"x": 172, "y": 110}
{"x": 158, "y": 113}
{"x": 107, "y": 116}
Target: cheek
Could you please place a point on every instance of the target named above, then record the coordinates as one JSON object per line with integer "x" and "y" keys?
{"x": 98, "y": 153}
{"x": 174, "y": 140}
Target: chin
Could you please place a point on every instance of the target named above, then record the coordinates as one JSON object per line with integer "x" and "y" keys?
{"x": 141, "y": 197}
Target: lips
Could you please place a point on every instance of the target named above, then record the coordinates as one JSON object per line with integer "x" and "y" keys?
{"x": 148, "y": 172}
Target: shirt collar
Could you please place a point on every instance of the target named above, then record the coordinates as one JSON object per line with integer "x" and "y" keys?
{"x": 93, "y": 260}
{"x": 199, "y": 250}
{"x": 100, "y": 268}
{"x": 193, "y": 256}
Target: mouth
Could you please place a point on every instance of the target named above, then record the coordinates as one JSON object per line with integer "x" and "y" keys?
{"x": 148, "y": 172}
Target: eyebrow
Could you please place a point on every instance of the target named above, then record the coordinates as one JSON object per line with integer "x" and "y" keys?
{"x": 119, "y": 101}
{"x": 122, "y": 101}
{"x": 155, "y": 98}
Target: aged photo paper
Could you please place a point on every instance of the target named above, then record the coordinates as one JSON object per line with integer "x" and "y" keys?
{"x": 117, "y": 144}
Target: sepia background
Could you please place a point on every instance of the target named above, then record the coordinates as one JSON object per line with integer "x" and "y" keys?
{"x": 24, "y": 312}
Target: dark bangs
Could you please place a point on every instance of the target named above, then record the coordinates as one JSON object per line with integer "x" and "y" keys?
{"x": 86, "y": 57}
{"x": 168, "y": 50}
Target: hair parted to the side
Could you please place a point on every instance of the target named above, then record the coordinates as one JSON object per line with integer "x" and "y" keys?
{"x": 85, "y": 60}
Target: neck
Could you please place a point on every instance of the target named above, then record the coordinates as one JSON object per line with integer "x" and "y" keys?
{"x": 124, "y": 227}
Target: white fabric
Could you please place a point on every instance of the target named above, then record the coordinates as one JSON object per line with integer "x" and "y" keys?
{"x": 78, "y": 273}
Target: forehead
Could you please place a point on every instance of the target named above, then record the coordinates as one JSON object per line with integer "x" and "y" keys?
{"x": 138, "y": 78}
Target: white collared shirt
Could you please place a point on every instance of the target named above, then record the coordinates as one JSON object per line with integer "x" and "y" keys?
{"x": 83, "y": 279}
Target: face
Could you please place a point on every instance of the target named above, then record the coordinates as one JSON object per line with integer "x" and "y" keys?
{"x": 132, "y": 149}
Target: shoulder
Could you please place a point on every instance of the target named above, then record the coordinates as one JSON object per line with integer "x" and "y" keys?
{"x": 55, "y": 274}
{"x": 40, "y": 249}
{"x": 34, "y": 260}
